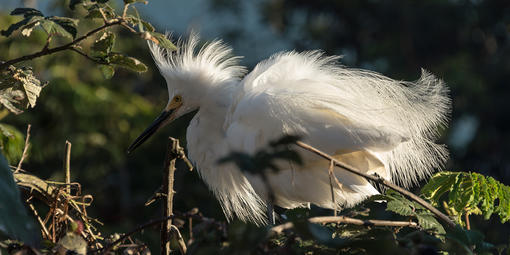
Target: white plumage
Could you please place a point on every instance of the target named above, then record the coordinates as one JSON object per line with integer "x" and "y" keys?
{"x": 364, "y": 119}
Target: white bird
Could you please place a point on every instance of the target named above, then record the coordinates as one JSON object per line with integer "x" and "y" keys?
{"x": 374, "y": 123}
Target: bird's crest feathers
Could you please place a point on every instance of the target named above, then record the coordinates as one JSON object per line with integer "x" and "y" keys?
{"x": 213, "y": 62}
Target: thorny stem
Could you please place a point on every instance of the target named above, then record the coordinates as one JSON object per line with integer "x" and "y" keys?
{"x": 382, "y": 181}
{"x": 168, "y": 231}
{"x": 48, "y": 51}
{"x": 168, "y": 188}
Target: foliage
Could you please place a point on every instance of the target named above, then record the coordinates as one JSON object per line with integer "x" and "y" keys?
{"x": 469, "y": 193}
{"x": 14, "y": 220}
{"x": 402, "y": 206}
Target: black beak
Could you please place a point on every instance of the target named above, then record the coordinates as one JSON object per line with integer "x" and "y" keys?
{"x": 158, "y": 123}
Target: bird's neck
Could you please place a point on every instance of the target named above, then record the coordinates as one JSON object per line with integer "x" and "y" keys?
{"x": 205, "y": 133}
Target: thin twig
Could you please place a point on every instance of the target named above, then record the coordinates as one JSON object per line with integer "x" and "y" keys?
{"x": 103, "y": 15}
{"x": 176, "y": 235}
{"x": 25, "y": 149}
{"x": 129, "y": 28}
{"x": 151, "y": 223}
{"x": 67, "y": 167}
{"x": 48, "y": 51}
{"x": 87, "y": 56}
{"x": 46, "y": 233}
{"x": 468, "y": 225}
{"x": 382, "y": 181}
{"x": 124, "y": 11}
{"x": 345, "y": 220}
{"x": 331, "y": 176}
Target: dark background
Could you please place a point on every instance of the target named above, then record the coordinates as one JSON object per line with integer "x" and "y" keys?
{"x": 466, "y": 43}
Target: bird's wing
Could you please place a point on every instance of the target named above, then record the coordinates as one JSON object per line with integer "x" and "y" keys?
{"x": 338, "y": 109}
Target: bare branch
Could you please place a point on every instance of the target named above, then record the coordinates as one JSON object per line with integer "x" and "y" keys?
{"x": 382, "y": 181}
{"x": 345, "y": 220}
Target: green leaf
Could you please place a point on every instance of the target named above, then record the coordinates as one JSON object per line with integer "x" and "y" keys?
{"x": 142, "y": 24}
{"x": 428, "y": 222}
{"x": 67, "y": 24}
{"x": 14, "y": 220}
{"x": 160, "y": 39}
{"x": 52, "y": 26}
{"x": 470, "y": 193}
{"x": 438, "y": 185}
{"x": 107, "y": 71}
{"x": 400, "y": 208}
{"x": 104, "y": 43}
{"x": 27, "y": 12}
{"x": 127, "y": 62}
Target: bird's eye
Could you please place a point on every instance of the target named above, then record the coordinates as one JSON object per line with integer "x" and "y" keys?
{"x": 177, "y": 99}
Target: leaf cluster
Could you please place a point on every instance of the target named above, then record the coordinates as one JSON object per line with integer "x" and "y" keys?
{"x": 33, "y": 18}
{"x": 469, "y": 193}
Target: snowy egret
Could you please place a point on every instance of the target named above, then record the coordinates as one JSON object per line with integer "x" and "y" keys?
{"x": 374, "y": 123}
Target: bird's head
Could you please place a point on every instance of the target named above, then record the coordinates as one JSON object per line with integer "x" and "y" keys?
{"x": 195, "y": 77}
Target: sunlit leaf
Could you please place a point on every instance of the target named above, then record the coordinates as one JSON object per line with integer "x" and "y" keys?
{"x": 161, "y": 40}
{"x": 470, "y": 193}
{"x": 439, "y": 185}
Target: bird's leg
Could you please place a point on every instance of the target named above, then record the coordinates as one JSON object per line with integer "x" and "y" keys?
{"x": 270, "y": 213}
